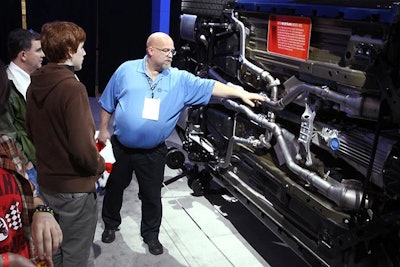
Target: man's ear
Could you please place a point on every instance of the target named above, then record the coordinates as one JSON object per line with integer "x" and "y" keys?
{"x": 150, "y": 51}
{"x": 69, "y": 54}
{"x": 22, "y": 55}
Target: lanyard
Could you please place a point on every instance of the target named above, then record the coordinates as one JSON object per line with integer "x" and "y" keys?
{"x": 152, "y": 85}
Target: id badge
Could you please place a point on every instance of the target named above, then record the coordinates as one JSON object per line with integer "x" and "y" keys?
{"x": 151, "y": 109}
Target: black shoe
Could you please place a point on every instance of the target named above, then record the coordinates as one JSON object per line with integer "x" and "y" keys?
{"x": 155, "y": 246}
{"x": 108, "y": 236}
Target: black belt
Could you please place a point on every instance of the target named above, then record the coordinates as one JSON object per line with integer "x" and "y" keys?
{"x": 114, "y": 140}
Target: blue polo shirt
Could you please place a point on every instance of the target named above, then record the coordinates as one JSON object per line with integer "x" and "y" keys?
{"x": 127, "y": 89}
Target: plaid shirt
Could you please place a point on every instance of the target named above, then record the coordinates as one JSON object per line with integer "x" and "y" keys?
{"x": 12, "y": 160}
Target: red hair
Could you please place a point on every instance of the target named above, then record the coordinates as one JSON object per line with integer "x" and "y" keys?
{"x": 59, "y": 38}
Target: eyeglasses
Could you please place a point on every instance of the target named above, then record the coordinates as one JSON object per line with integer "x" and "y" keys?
{"x": 167, "y": 51}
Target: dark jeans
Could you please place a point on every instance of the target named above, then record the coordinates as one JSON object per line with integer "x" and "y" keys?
{"x": 149, "y": 165}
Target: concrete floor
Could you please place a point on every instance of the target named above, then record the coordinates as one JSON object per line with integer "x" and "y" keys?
{"x": 195, "y": 231}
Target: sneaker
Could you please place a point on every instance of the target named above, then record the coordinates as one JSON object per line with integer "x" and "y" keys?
{"x": 155, "y": 246}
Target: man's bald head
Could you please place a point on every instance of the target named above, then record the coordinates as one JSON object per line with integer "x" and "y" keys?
{"x": 158, "y": 39}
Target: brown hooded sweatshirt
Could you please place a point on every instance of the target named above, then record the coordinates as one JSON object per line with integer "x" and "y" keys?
{"x": 61, "y": 125}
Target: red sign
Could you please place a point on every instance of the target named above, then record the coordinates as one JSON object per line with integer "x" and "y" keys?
{"x": 289, "y": 36}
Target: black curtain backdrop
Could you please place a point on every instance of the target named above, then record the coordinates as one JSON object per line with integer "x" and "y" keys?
{"x": 116, "y": 31}
{"x": 83, "y": 13}
{"x": 10, "y": 18}
{"x": 123, "y": 30}
{"x": 174, "y": 21}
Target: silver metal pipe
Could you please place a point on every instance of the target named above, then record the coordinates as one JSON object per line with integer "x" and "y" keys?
{"x": 262, "y": 74}
{"x": 354, "y": 106}
{"x": 344, "y": 195}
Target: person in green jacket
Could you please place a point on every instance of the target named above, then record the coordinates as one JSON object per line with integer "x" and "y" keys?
{"x": 25, "y": 52}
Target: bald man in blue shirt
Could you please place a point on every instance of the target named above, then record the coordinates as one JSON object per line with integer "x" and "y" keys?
{"x": 146, "y": 96}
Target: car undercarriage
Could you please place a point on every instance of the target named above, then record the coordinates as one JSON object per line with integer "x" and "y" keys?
{"x": 318, "y": 161}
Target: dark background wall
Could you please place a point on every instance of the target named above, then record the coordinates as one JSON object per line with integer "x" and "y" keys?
{"x": 116, "y": 30}
{"x": 10, "y": 18}
{"x": 80, "y": 12}
{"x": 174, "y": 21}
{"x": 123, "y": 30}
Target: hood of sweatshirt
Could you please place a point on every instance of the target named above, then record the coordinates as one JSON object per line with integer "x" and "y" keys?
{"x": 46, "y": 79}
